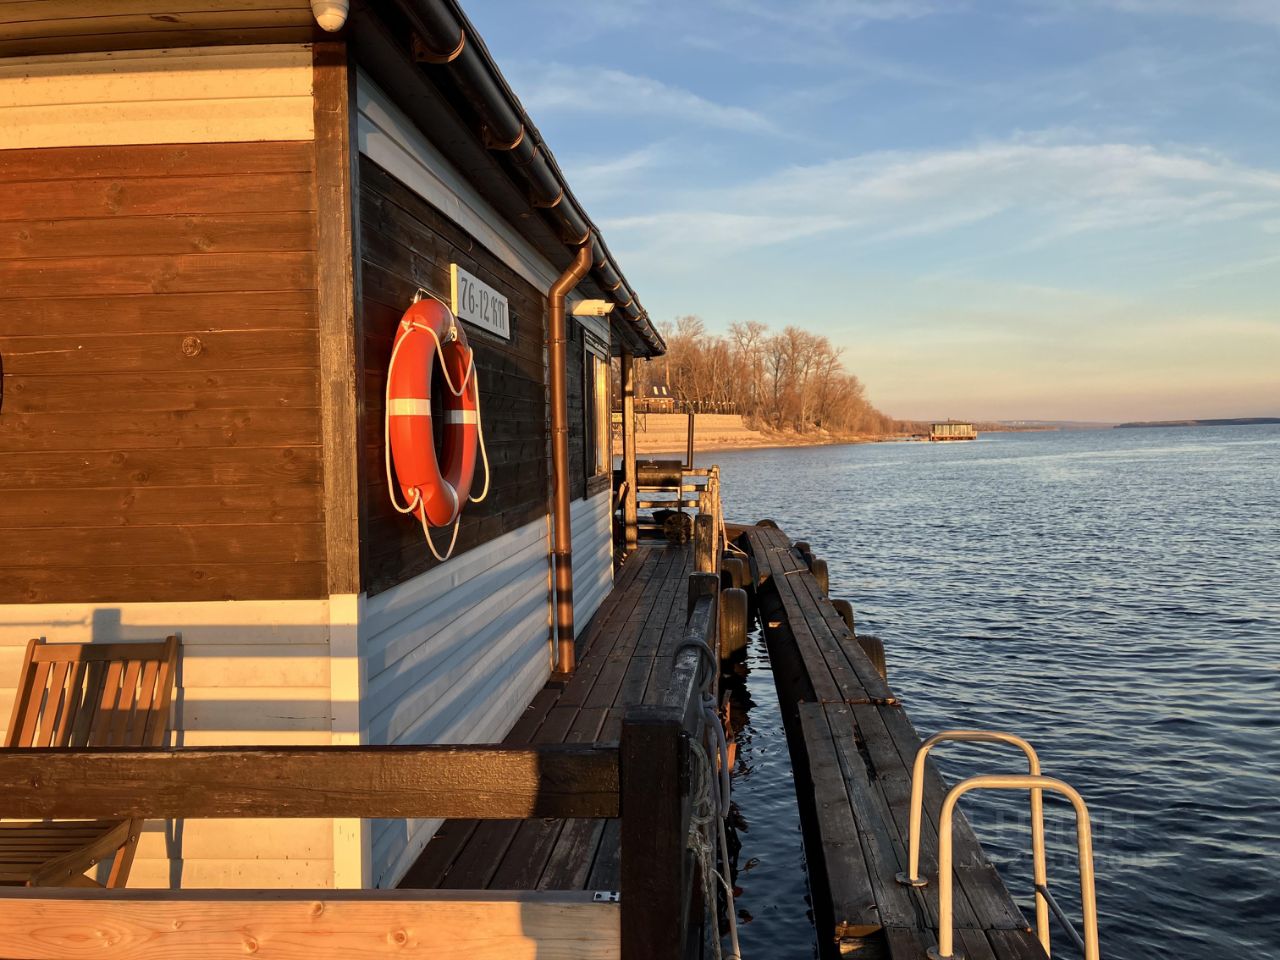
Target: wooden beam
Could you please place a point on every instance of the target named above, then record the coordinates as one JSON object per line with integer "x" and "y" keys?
{"x": 337, "y": 282}
{"x": 47, "y": 924}
{"x": 704, "y": 543}
{"x": 485, "y": 782}
{"x": 654, "y": 767}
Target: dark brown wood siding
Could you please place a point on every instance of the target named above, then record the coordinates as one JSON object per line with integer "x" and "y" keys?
{"x": 406, "y": 243}
{"x": 160, "y": 430}
{"x": 576, "y": 388}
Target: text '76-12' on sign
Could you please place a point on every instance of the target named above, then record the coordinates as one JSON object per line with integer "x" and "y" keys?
{"x": 477, "y": 302}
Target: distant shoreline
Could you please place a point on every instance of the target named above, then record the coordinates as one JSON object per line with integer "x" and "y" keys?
{"x": 1230, "y": 422}
{"x": 765, "y": 443}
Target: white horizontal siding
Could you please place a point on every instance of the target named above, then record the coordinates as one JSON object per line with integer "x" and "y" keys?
{"x": 191, "y": 95}
{"x": 453, "y": 656}
{"x": 250, "y": 673}
{"x": 592, "y": 529}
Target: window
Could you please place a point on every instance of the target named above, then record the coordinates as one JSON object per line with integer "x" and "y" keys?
{"x": 599, "y": 446}
{"x": 597, "y": 408}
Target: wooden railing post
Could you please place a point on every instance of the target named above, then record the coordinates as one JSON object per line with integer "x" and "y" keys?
{"x": 704, "y": 543}
{"x": 717, "y": 509}
{"x": 654, "y": 778}
{"x": 701, "y": 585}
{"x": 689, "y": 452}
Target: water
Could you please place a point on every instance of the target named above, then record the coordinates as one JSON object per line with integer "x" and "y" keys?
{"x": 1114, "y": 596}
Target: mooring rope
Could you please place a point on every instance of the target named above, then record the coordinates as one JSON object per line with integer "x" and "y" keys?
{"x": 703, "y": 843}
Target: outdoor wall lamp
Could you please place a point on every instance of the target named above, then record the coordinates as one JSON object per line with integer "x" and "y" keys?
{"x": 330, "y": 14}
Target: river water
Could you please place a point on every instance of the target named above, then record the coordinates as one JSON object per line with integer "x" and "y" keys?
{"x": 1113, "y": 596}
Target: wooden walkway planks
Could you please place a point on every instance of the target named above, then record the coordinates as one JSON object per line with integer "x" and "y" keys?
{"x": 624, "y": 659}
{"x": 858, "y": 749}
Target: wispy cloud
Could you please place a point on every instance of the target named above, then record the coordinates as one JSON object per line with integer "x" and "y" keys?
{"x": 1249, "y": 11}
{"x": 551, "y": 88}
{"x": 1041, "y": 190}
{"x": 829, "y": 13}
{"x": 615, "y": 173}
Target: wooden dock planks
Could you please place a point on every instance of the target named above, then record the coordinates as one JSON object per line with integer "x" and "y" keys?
{"x": 858, "y": 749}
{"x": 624, "y": 659}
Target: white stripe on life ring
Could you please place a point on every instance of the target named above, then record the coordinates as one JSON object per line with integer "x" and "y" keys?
{"x": 411, "y": 407}
{"x": 460, "y": 416}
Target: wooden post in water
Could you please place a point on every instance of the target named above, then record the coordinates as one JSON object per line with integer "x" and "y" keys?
{"x": 629, "y": 515}
{"x": 654, "y": 786}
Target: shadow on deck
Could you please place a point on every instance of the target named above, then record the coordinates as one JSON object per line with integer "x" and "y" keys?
{"x": 624, "y": 659}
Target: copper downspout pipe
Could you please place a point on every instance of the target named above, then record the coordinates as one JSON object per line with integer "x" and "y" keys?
{"x": 561, "y": 534}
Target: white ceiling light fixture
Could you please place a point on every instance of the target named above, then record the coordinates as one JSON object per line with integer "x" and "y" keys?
{"x": 330, "y": 14}
{"x": 592, "y": 308}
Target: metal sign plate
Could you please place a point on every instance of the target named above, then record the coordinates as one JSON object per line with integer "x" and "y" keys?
{"x": 476, "y": 302}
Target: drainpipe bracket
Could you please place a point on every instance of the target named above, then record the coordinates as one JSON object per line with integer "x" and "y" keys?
{"x": 424, "y": 54}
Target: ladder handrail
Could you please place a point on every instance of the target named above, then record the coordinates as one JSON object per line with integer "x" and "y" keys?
{"x": 1084, "y": 846}
{"x": 913, "y": 878}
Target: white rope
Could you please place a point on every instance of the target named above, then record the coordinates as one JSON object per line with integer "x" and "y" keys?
{"x": 468, "y": 378}
{"x": 706, "y": 808}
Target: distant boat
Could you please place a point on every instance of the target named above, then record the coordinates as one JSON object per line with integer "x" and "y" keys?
{"x": 952, "y": 430}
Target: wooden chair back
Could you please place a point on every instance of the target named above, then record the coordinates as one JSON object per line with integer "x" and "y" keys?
{"x": 94, "y": 695}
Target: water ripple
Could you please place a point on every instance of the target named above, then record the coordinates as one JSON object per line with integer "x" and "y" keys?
{"x": 1112, "y": 595}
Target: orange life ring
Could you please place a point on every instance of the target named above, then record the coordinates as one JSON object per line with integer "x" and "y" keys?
{"x": 434, "y": 486}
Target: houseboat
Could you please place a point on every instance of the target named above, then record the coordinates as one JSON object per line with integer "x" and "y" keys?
{"x": 316, "y": 575}
{"x": 952, "y": 430}
{"x": 214, "y": 218}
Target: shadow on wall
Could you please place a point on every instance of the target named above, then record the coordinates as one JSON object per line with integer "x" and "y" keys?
{"x": 273, "y": 684}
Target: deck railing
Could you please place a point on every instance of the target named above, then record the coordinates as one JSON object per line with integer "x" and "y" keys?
{"x": 645, "y": 779}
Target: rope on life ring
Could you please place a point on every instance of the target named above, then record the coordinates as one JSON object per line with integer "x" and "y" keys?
{"x": 416, "y": 505}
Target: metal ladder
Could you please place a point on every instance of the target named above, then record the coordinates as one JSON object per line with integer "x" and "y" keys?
{"x": 1036, "y": 784}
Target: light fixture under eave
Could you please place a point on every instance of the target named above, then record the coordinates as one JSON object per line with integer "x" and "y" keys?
{"x": 330, "y": 14}
{"x": 592, "y": 308}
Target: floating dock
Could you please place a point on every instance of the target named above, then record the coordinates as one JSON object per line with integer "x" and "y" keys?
{"x": 952, "y": 430}
{"x": 852, "y": 749}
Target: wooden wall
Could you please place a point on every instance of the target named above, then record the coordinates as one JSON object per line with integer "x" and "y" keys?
{"x": 159, "y": 433}
{"x": 406, "y": 242}
{"x": 577, "y": 387}
{"x": 58, "y": 26}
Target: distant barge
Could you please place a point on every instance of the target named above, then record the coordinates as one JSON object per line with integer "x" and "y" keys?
{"x": 952, "y": 430}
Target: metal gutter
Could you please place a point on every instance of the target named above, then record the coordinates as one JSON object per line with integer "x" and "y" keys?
{"x": 444, "y": 40}
{"x": 561, "y": 526}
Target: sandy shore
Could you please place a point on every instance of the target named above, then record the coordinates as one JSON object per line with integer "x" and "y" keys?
{"x": 668, "y": 433}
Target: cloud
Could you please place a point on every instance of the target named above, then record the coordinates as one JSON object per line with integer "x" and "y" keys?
{"x": 829, "y": 13}
{"x": 1247, "y": 11}
{"x": 618, "y": 172}
{"x": 550, "y": 88}
{"x": 1039, "y": 190}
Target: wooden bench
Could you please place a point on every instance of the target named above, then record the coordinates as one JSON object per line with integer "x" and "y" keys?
{"x": 84, "y": 695}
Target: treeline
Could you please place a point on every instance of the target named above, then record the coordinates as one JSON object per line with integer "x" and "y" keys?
{"x": 789, "y": 380}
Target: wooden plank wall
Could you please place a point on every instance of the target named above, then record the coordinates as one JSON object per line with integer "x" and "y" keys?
{"x": 577, "y": 389}
{"x": 160, "y": 433}
{"x": 406, "y": 242}
{"x": 592, "y": 527}
{"x": 453, "y": 656}
{"x": 58, "y": 26}
{"x": 253, "y": 672}
{"x": 193, "y": 95}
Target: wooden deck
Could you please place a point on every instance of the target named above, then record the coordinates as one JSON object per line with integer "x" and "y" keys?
{"x": 852, "y": 748}
{"x": 625, "y": 658}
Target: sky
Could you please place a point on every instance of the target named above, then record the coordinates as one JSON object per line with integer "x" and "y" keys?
{"x": 999, "y": 209}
